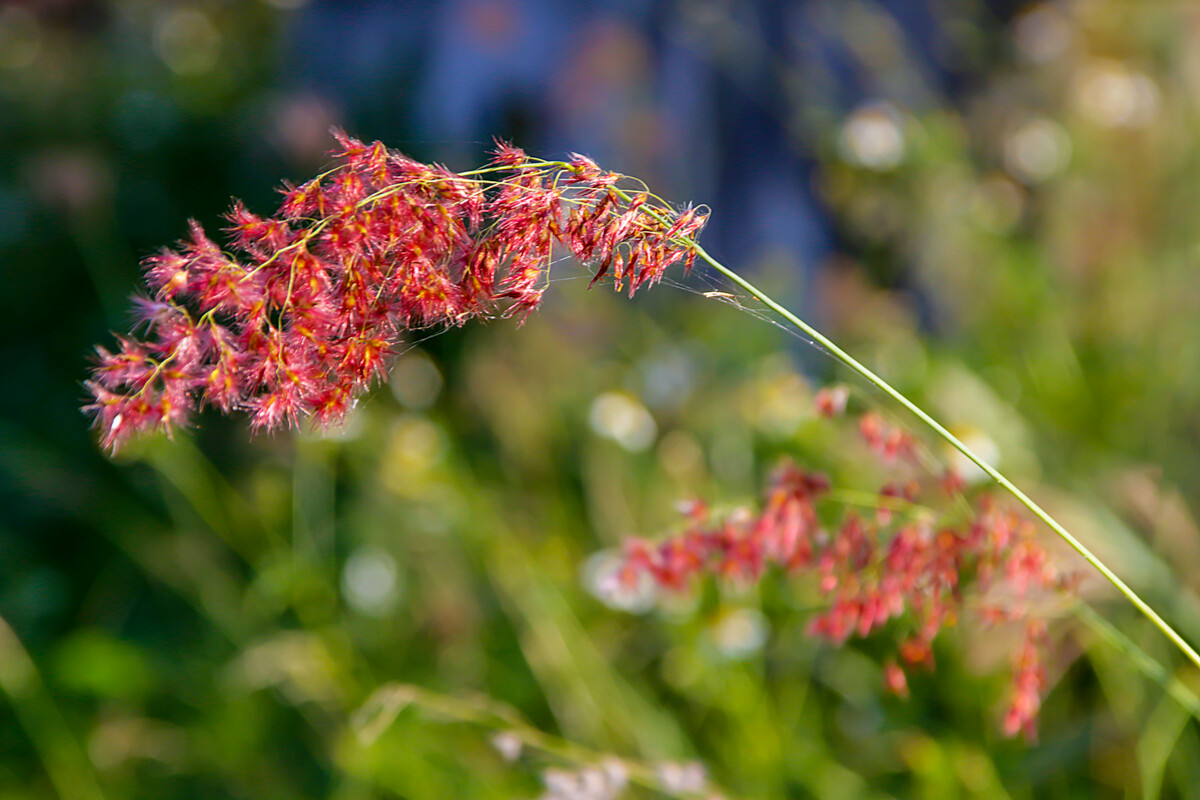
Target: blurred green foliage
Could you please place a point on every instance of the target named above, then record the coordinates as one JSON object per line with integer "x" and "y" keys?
{"x": 205, "y": 617}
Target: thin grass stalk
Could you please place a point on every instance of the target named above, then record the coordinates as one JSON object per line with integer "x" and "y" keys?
{"x": 1141, "y": 660}
{"x": 855, "y": 365}
{"x": 66, "y": 763}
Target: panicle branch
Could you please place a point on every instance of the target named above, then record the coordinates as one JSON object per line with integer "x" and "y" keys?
{"x": 298, "y": 320}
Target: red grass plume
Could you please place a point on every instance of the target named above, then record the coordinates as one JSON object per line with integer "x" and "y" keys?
{"x": 297, "y": 319}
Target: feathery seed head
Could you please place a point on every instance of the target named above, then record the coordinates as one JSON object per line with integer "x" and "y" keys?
{"x": 300, "y": 319}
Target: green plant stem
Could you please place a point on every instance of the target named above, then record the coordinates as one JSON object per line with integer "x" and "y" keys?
{"x": 66, "y": 763}
{"x": 854, "y": 497}
{"x": 844, "y": 357}
{"x": 1144, "y": 663}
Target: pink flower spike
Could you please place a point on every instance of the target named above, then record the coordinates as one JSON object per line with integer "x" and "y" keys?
{"x": 300, "y": 317}
{"x": 869, "y": 574}
{"x": 894, "y": 679}
{"x": 507, "y": 154}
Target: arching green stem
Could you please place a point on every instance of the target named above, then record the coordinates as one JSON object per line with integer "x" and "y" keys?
{"x": 844, "y": 357}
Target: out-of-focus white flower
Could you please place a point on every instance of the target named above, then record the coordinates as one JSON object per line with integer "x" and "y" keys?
{"x": 873, "y": 138}
{"x": 508, "y": 745}
{"x": 1110, "y": 94}
{"x": 1037, "y": 150}
{"x": 370, "y": 581}
{"x": 740, "y": 633}
{"x": 1043, "y": 33}
{"x": 684, "y": 778}
{"x": 623, "y": 419}
{"x": 602, "y": 578}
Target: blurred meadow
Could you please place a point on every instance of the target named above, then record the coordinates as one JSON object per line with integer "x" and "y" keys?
{"x": 992, "y": 203}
